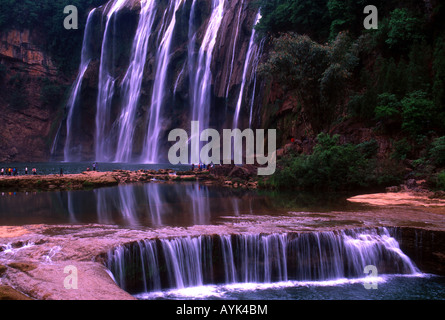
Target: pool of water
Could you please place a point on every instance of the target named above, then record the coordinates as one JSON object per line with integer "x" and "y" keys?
{"x": 151, "y": 205}
{"x": 393, "y": 287}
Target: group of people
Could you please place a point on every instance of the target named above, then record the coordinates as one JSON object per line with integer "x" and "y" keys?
{"x": 15, "y": 172}
{"x": 202, "y": 166}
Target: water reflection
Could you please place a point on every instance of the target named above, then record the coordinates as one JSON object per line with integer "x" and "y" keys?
{"x": 151, "y": 205}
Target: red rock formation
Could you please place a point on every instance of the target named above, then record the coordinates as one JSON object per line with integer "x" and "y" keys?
{"x": 24, "y": 117}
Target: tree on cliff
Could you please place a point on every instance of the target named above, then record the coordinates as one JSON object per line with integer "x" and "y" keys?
{"x": 47, "y": 17}
{"x": 316, "y": 73}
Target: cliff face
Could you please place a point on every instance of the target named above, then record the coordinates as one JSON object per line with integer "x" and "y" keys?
{"x": 26, "y": 116}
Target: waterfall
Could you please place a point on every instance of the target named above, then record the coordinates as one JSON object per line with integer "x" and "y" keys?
{"x": 130, "y": 128}
{"x": 150, "y": 152}
{"x": 256, "y": 62}
{"x": 201, "y": 90}
{"x": 256, "y": 258}
{"x": 132, "y": 82}
{"x": 69, "y": 154}
{"x": 106, "y": 87}
{"x": 235, "y": 38}
{"x": 252, "y": 52}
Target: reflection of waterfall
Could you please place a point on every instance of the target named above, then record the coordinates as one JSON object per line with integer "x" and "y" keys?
{"x": 132, "y": 82}
{"x": 69, "y": 153}
{"x": 200, "y": 203}
{"x": 153, "y": 194}
{"x": 254, "y": 258}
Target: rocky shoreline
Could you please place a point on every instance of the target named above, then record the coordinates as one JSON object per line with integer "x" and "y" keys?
{"x": 229, "y": 176}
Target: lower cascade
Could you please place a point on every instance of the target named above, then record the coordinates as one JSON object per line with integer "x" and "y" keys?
{"x": 161, "y": 264}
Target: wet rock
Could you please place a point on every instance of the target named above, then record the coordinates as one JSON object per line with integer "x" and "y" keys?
{"x": 393, "y": 189}
{"x": 8, "y": 293}
{"x": 22, "y": 266}
{"x": 2, "y": 270}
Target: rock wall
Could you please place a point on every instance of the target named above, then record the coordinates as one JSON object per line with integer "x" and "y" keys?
{"x": 26, "y": 118}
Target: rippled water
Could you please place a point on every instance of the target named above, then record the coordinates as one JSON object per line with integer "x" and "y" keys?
{"x": 393, "y": 287}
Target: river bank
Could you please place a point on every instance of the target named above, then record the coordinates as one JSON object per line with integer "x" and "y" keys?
{"x": 231, "y": 176}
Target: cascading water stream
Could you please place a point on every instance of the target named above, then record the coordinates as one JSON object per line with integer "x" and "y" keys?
{"x": 150, "y": 152}
{"x": 132, "y": 82}
{"x": 75, "y": 92}
{"x": 256, "y": 258}
{"x": 235, "y": 38}
{"x": 201, "y": 90}
{"x": 127, "y": 129}
{"x": 252, "y": 52}
{"x": 256, "y": 62}
{"x": 106, "y": 87}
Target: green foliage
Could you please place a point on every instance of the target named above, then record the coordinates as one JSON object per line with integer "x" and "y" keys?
{"x": 316, "y": 73}
{"x": 388, "y": 107}
{"x": 331, "y": 166}
{"x": 302, "y": 16}
{"x": 346, "y": 15}
{"x": 440, "y": 180}
{"x": 402, "y": 150}
{"x": 47, "y": 16}
{"x": 437, "y": 151}
{"x": 418, "y": 113}
{"x": 404, "y": 28}
{"x": 439, "y": 74}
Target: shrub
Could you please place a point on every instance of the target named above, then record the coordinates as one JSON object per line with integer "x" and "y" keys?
{"x": 440, "y": 180}
{"x": 388, "y": 107}
{"x": 331, "y": 166}
{"x": 437, "y": 151}
{"x": 404, "y": 28}
{"x": 418, "y": 113}
{"x": 317, "y": 74}
{"x": 401, "y": 150}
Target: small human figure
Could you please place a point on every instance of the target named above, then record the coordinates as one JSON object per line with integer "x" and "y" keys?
{"x": 2, "y": 171}
{"x": 26, "y": 170}
{"x": 94, "y": 166}
{"x": 61, "y": 172}
{"x": 34, "y": 171}
{"x": 193, "y": 167}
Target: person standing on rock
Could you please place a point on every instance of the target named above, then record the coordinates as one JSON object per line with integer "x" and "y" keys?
{"x": 2, "y": 172}
{"x": 61, "y": 172}
{"x": 26, "y": 170}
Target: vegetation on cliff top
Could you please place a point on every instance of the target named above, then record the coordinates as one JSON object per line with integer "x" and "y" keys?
{"x": 390, "y": 80}
{"x": 47, "y": 17}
